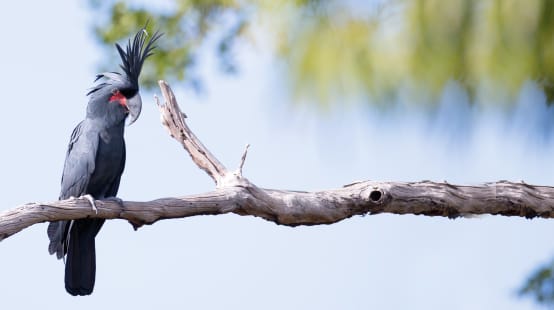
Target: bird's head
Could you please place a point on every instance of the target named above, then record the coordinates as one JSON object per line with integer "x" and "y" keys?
{"x": 117, "y": 97}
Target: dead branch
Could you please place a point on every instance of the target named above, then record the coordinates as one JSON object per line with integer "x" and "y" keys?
{"x": 235, "y": 194}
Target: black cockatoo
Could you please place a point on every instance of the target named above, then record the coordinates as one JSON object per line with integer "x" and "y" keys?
{"x": 95, "y": 160}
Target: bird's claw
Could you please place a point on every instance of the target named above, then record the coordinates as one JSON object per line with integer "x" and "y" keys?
{"x": 92, "y": 203}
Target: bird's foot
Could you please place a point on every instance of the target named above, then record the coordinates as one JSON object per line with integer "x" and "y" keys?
{"x": 92, "y": 203}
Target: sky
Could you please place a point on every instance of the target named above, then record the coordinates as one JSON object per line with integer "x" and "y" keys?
{"x": 49, "y": 59}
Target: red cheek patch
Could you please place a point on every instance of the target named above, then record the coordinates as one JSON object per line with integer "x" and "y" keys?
{"x": 118, "y": 96}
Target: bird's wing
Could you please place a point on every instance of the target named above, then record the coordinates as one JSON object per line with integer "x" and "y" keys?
{"x": 77, "y": 171}
{"x": 79, "y": 161}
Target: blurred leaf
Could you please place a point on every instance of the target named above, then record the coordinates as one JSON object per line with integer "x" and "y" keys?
{"x": 185, "y": 29}
{"x": 540, "y": 286}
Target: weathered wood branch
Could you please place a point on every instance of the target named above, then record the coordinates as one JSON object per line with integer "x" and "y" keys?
{"x": 174, "y": 121}
{"x": 235, "y": 194}
{"x": 293, "y": 208}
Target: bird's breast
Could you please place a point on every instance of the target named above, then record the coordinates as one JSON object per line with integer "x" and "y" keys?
{"x": 110, "y": 159}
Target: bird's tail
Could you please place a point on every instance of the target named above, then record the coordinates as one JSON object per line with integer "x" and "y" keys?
{"x": 80, "y": 265}
{"x": 57, "y": 232}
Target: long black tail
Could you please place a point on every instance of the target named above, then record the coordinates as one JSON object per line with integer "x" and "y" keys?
{"x": 80, "y": 265}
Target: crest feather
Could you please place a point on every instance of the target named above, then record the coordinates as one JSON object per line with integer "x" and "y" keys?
{"x": 132, "y": 59}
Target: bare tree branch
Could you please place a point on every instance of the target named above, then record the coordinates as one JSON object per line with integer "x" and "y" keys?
{"x": 293, "y": 208}
{"x": 235, "y": 194}
{"x": 174, "y": 121}
{"x": 242, "y": 160}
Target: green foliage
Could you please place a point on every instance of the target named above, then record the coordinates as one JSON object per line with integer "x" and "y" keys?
{"x": 491, "y": 45}
{"x": 186, "y": 27}
{"x": 540, "y": 285}
{"x": 334, "y": 49}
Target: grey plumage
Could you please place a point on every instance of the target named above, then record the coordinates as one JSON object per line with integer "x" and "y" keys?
{"x": 95, "y": 161}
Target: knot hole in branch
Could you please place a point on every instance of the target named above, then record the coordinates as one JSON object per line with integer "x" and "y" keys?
{"x": 376, "y": 195}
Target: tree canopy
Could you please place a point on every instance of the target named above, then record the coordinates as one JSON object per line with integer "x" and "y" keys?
{"x": 333, "y": 49}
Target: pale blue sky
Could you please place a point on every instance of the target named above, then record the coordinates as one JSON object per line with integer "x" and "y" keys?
{"x": 48, "y": 59}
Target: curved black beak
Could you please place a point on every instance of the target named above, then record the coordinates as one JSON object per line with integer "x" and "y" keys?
{"x": 134, "y": 104}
